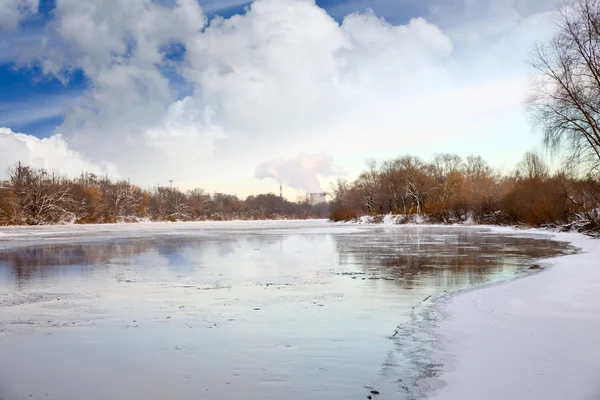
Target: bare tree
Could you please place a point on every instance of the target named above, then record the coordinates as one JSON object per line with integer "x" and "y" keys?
{"x": 417, "y": 182}
{"x": 368, "y": 184}
{"x": 177, "y": 206}
{"x": 445, "y": 164}
{"x": 565, "y": 97}
{"x": 532, "y": 167}
{"x": 393, "y": 178}
{"x": 197, "y": 199}
{"x": 476, "y": 168}
{"x": 41, "y": 197}
{"x": 121, "y": 199}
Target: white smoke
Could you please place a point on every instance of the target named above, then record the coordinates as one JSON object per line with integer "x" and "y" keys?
{"x": 301, "y": 172}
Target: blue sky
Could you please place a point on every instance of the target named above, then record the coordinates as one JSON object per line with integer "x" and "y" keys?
{"x": 32, "y": 102}
{"x": 119, "y": 94}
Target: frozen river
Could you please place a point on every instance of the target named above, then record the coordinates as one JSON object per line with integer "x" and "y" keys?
{"x": 269, "y": 310}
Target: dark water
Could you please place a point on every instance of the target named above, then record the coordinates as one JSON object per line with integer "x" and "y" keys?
{"x": 252, "y": 314}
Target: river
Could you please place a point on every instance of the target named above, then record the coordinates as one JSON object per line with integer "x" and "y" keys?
{"x": 280, "y": 310}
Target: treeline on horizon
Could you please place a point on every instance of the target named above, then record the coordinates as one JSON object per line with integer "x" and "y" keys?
{"x": 450, "y": 189}
{"x": 38, "y": 197}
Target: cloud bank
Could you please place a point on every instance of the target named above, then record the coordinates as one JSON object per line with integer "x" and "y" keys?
{"x": 49, "y": 153}
{"x": 172, "y": 95}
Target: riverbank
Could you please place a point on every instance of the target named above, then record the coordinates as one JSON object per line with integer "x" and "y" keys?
{"x": 580, "y": 224}
{"x": 532, "y": 338}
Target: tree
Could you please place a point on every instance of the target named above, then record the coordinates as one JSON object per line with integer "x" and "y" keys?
{"x": 197, "y": 199}
{"x": 121, "y": 200}
{"x": 40, "y": 196}
{"x": 87, "y": 201}
{"x": 446, "y": 164}
{"x": 6, "y": 210}
{"x": 477, "y": 168}
{"x": 532, "y": 167}
{"x": 342, "y": 207}
{"x": 417, "y": 183}
{"x": 392, "y": 178}
{"x": 565, "y": 98}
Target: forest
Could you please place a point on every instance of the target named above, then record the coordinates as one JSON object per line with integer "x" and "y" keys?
{"x": 450, "y": 189}
{"x": 38, "y": 196}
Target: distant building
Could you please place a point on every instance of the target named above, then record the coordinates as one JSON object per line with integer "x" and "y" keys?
{"x": 317, "y": 198}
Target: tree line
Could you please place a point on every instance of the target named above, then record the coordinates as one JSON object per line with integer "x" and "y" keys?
{"x": 38, "y": 196}
{"x": 450, "y": 189}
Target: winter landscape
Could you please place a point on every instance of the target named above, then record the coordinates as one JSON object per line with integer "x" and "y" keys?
{"x": 298, "y": 199}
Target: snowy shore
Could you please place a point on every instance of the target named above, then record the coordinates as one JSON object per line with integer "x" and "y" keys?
{"x": 532, "y": 338}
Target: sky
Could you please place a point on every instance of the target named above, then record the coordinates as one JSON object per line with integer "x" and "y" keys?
{"x": 236, "y": 96}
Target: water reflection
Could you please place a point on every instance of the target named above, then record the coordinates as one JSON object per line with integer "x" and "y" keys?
{"x": 453, "y": 257}
{"x": 446, "y": 258}
{"x": 236, "y": 314}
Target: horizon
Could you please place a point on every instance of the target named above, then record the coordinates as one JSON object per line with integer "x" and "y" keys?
{"x": 296, "y": 195}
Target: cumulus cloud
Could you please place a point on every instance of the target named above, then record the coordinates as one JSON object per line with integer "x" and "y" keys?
{"x": 12, "y": 12}
{"x": 266, "y": 78}
{"x": 301, "y": 172}
{"x": 174, "y": 96}
{"x": 470, "y": 22}
{"x": 187, "y": 130}
{"x": 49, "y": 153}
{"x": 270, "y": 73}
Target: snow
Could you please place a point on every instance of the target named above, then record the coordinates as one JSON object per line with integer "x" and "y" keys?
{"x": 531, "y": 338}
{"x": 365, "y": 219}
{"x": 392, "y": 219}
{"x": 17, "y": 236}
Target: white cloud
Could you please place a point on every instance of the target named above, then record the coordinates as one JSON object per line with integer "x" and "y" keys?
{"x": 482, "y": 22}
{"x": 12, "y": 12}
{"x": 186, "y": 129}
{"x": 279, "y": 83}
{"x": 264, "y": 79}
{"x": 49, "y": 153}
{"x": 281, "y": 79}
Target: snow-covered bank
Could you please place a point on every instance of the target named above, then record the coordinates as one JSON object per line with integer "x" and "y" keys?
{"x": 582, "y": 224}
{"x": 392, "y": 219}
{"x": 17, "y": 236}
{"x": 532, "y": 338}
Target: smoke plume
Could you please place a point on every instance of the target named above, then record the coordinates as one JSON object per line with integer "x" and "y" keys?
{"x": 300, "y": 172}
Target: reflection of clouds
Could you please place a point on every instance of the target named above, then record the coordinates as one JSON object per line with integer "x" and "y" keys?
{"x": 50, "y": 262}
{"x": 240, "y": 258}
{"x": 411, "y": 256}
